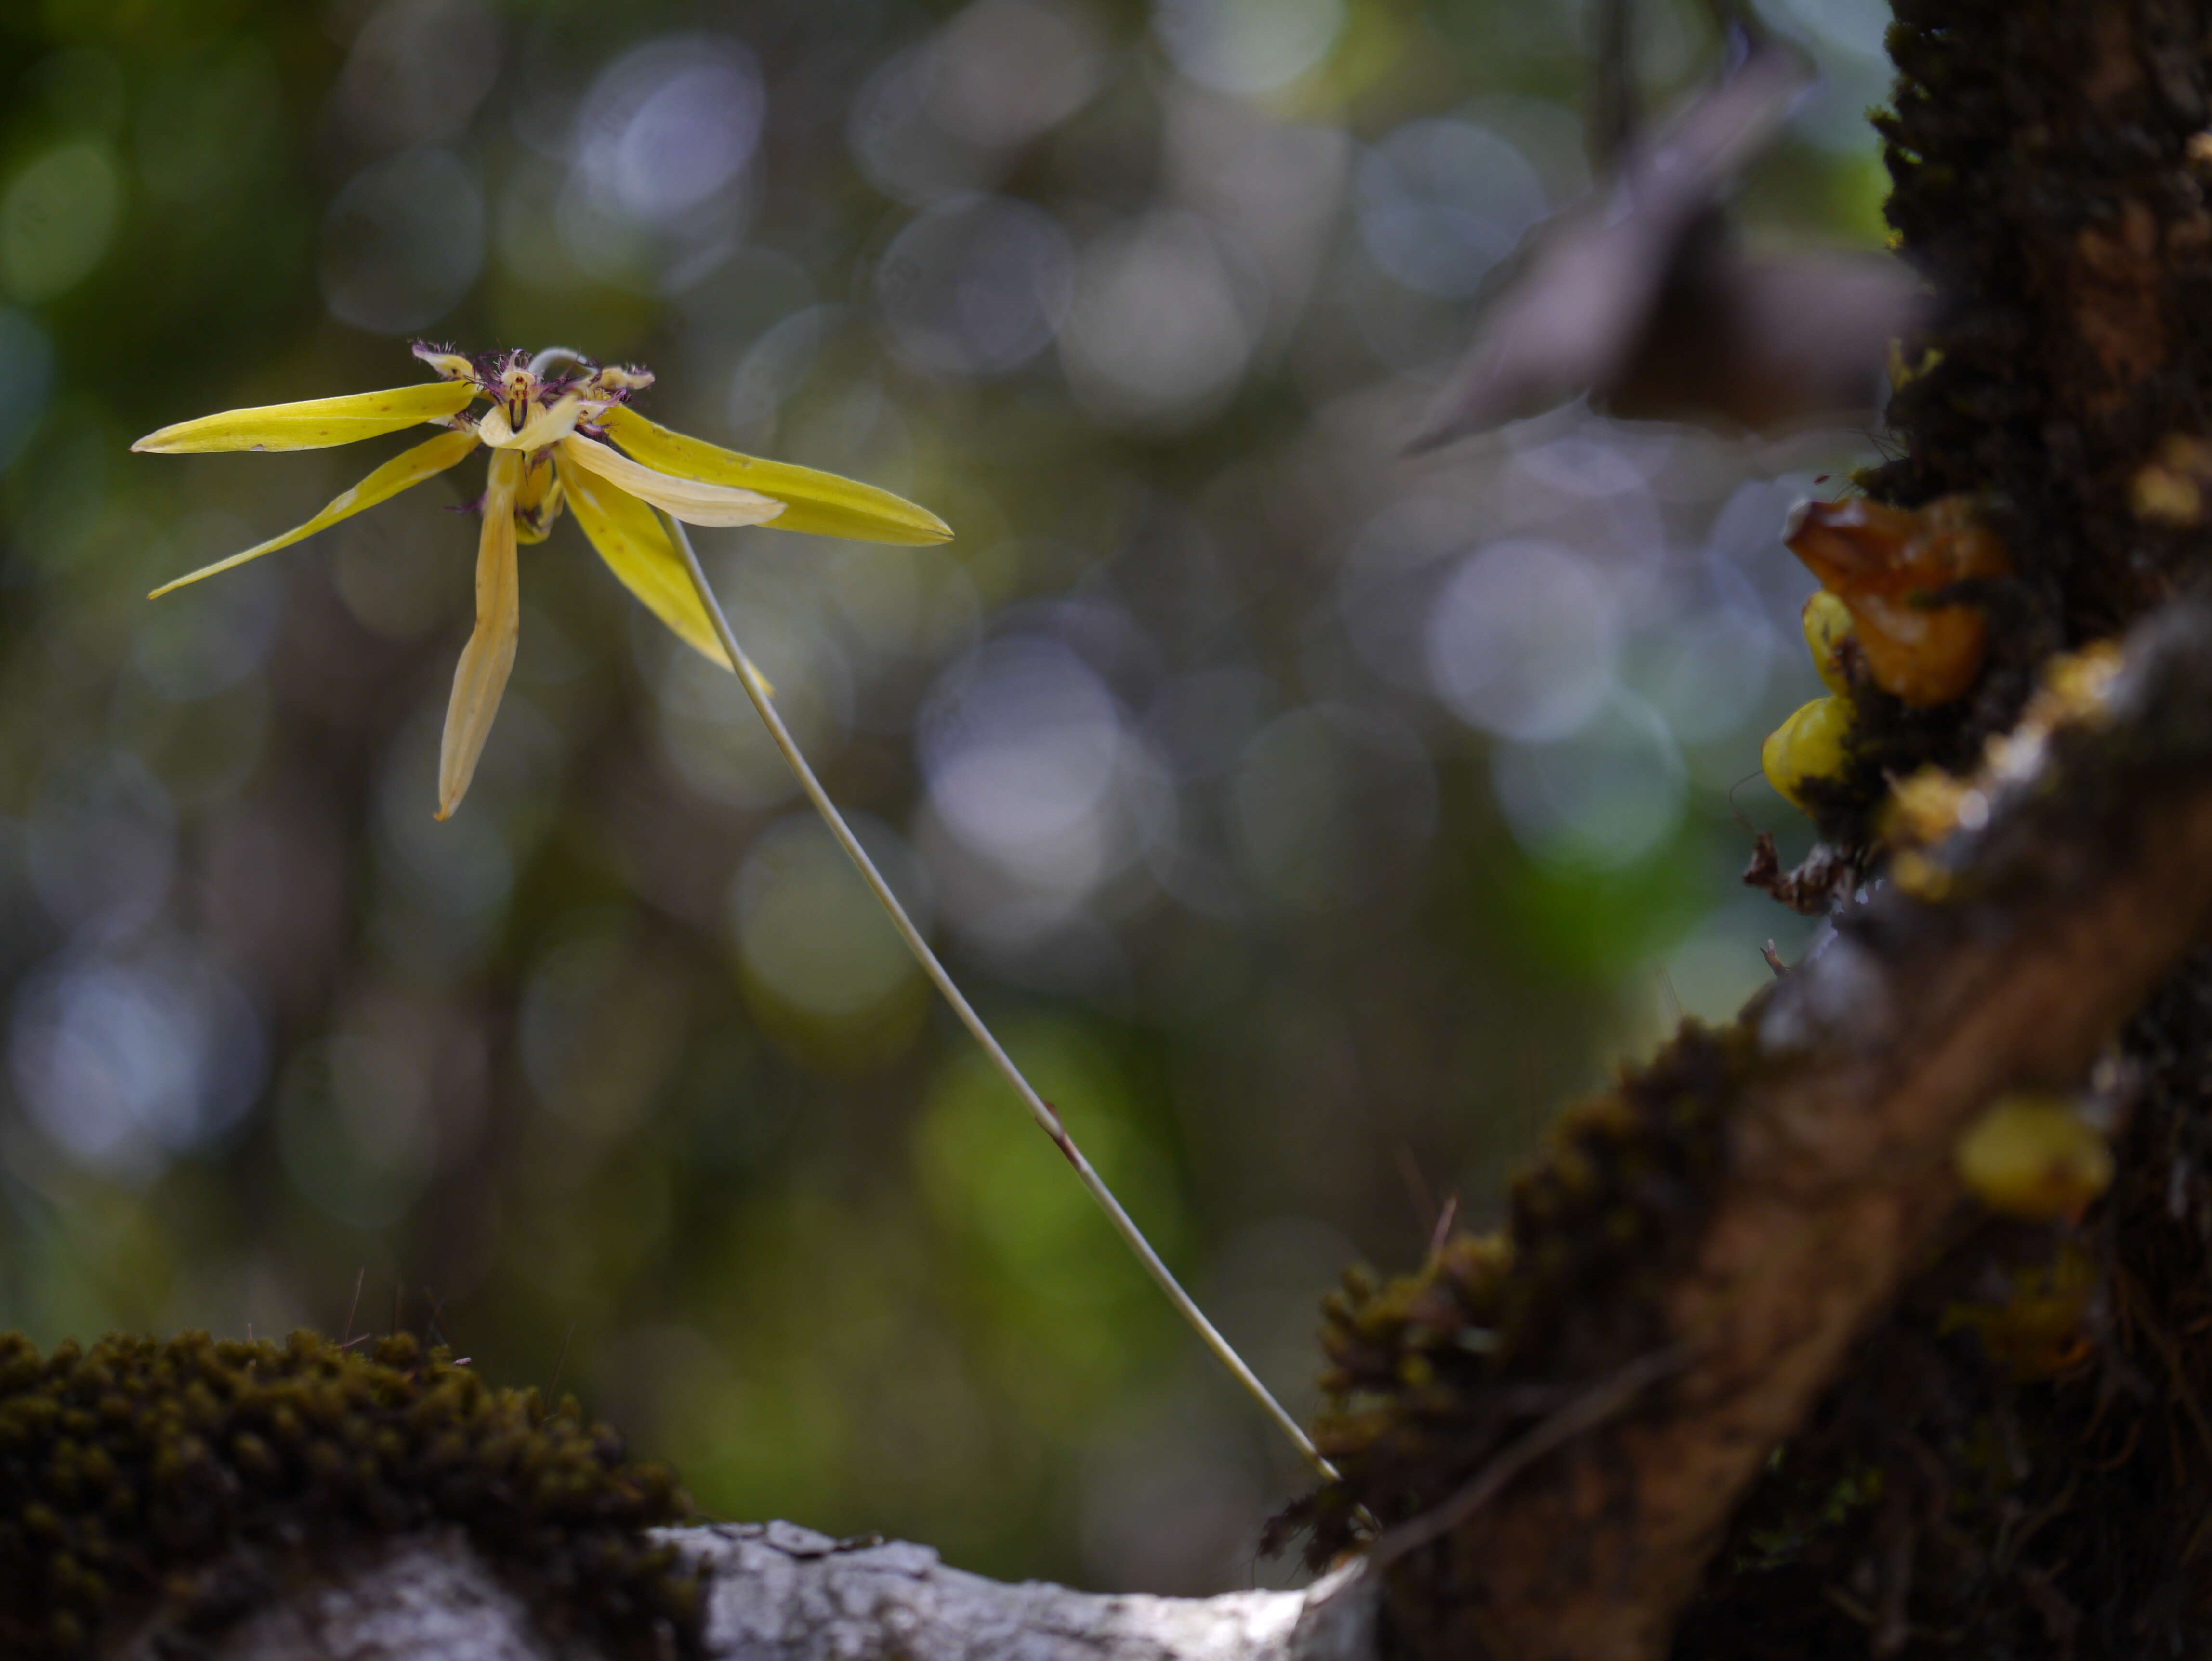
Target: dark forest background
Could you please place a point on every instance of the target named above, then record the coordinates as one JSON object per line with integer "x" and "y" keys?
{"x": 1312, "y": 822}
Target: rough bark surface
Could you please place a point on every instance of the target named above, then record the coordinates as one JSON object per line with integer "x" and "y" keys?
{"x": 2051, "y": 183}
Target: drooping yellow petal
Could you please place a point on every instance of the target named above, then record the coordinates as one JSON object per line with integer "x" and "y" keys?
{"x": 480, "y": 678}
{"x": 315, "y": 424}
{"x": 822, "y": 503}
{"x": 628, "y": 537}
{"x": 688, "y": 499}
{"x": 403, "y": 471}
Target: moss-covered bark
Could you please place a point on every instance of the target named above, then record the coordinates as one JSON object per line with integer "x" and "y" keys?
{"x": 2050, "y": 181}
{"x": 2010, "y": 1453}
{"x": 2051, "y": 165}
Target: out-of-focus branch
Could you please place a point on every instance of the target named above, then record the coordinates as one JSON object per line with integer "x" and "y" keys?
{"x": 779, "y": 1591}
{"x": 2088, "y": 873}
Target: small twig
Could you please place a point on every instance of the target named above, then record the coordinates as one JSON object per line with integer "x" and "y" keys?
{"x": 1445, "y": 1217}
{"x": 1615, "y": 110}
{"x": 552, "y": 1391}
{"x": 1040, "y": 1110}
{"x": 438, "y": 1318}
{"x": 2138, "y": 1308}
{"x": 1416, "y": 1187}
{"x": 1585, "y": 1413}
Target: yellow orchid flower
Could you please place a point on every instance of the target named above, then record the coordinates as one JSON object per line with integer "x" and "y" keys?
{"x": 549, "y": 434}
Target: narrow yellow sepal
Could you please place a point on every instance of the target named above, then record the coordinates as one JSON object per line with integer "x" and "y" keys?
{"x": 315, "y": 424}
{"x": 403, "y": 471}
{"x": 628, "y": 537}
{"x": 821, "y": 503}
{"x": 480, "y": 679}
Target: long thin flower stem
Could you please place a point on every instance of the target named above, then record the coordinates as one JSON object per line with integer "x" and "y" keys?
{"x": 1040, "y": 1110}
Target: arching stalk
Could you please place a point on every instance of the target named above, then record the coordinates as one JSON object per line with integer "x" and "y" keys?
{"x": 1040, "y": 1110}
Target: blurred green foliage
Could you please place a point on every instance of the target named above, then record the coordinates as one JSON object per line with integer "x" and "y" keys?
{"x": 1309, "y": 854}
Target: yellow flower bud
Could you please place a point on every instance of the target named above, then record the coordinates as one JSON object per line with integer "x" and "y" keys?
{"x": 2033, "y": 1156}
{"x": 1827, "y": 626}
{"x": 1808, "y": 746}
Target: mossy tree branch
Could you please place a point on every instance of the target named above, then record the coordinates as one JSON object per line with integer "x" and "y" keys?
{"x": 1832, "y": 1465}
{"x": 1837, "y": 1100}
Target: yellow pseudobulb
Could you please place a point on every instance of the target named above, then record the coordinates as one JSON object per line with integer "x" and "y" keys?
{"x": 1828, "y": 625}
{"x": 2041, "y": 1328}
{"x": 2032, "y": 1156}
{"x": 1808, "y": 746}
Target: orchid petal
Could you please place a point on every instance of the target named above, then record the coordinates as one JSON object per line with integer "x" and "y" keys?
{"x": 628, "y": 537}
{"x": 542, "y": 428}
{"x": 689, "y": 500}
{"x": 486, "y": 661}
{"x": 822, "y": 503}
{"x": 403, "y": 472}
{"x": 316, "y": 423}
{"x": 451, "y": 365}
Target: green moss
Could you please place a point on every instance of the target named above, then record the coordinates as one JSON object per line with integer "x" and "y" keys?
{"x": 1429, "y": 1374}
{"x": 191, "y": 1478}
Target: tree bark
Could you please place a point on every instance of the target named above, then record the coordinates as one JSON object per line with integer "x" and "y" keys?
{"x": 2087, "y": 877}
